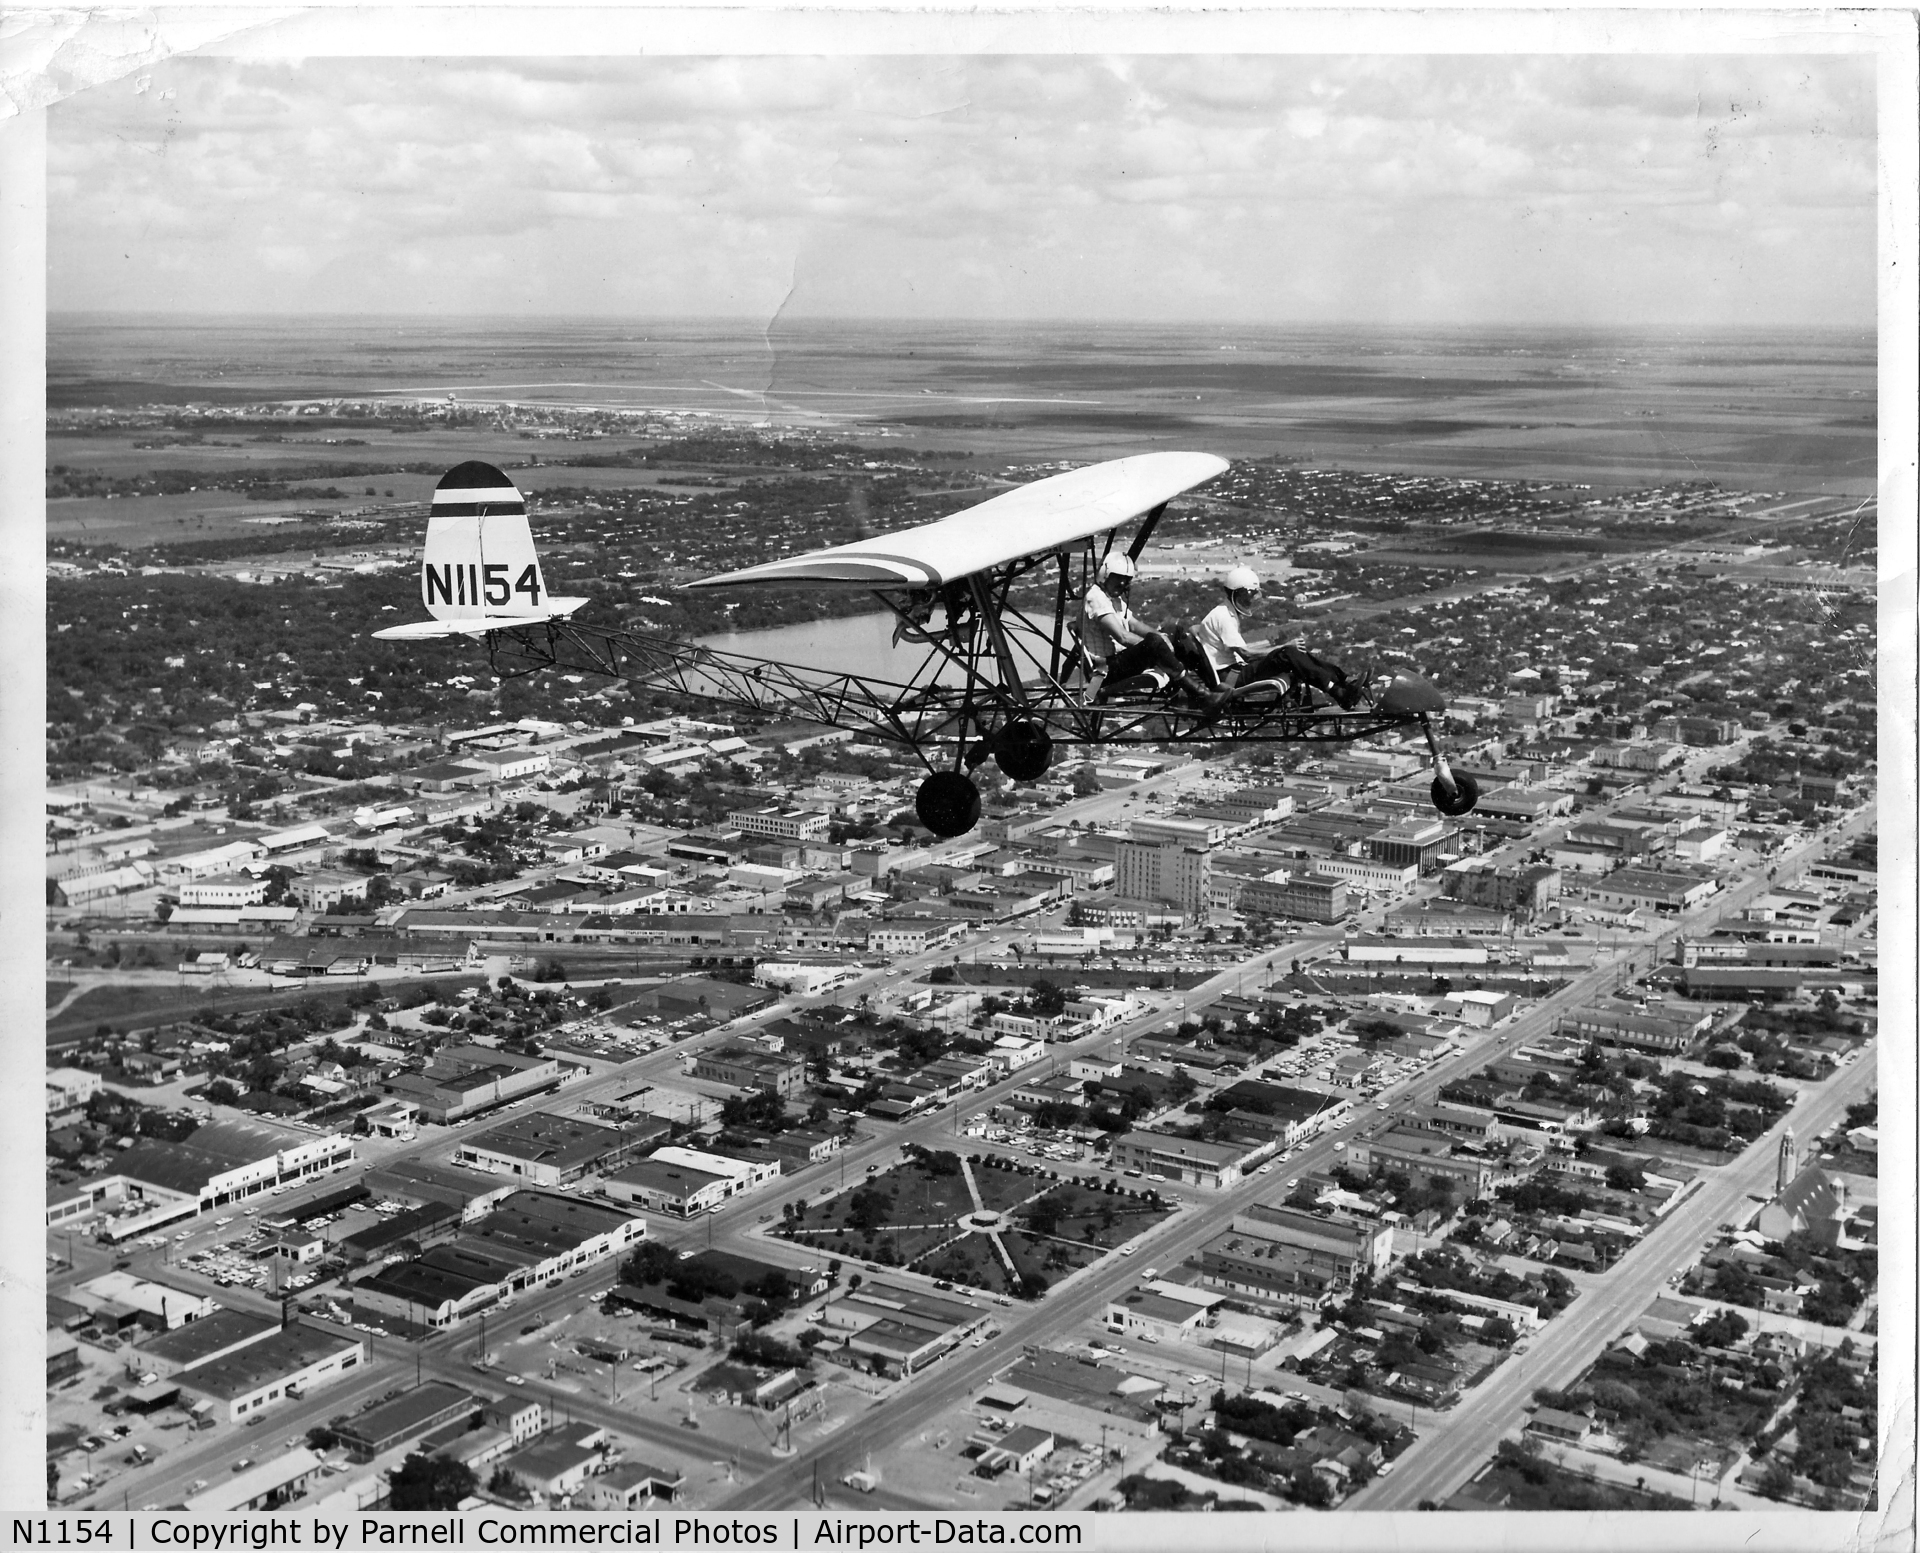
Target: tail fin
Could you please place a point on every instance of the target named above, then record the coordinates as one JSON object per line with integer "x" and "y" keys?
{"x": 479, "y": 571}
{"x": 479, "y": 559}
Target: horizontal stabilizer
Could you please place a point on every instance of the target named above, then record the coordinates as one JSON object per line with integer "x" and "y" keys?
{"x": 478, "y": 625}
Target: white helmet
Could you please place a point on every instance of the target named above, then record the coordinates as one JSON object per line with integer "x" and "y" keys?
{"x": 1118, "y": 565}
{"x": 1241, "y": 579}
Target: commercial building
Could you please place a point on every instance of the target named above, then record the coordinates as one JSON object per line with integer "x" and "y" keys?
{"x": 157, "y": 1182}
{"x": 406, "y": 1417}
{"x": 463, "y": 1080}
{"x": 119, "y": 1300}
{"x": 632, "y": 1485}
{"x": 785, "y": 824}
{"x": 288, "y": 1363}
{"x": 743, "y": 1067}
{"x": 1165, "y": 1312}
{"x": 1526, "y": 890}
{"x": 683, "y": 1182}
{"x": 1423, "y": 1154}
{"x": 1179, "y": 1159}
{"x": 1308, "y": 897}
{"x": 1637, "y": 1030}
{"x": 199, "y": 1342}
{"x": 545, "y": 1149}
{"x": 1291, "y": 1258}
{"x": 1164, "y": 871}
{"x": 268, "y": 1486}
{"x": 901, "y": 1329}
{"x": 1632, "y": 889}
{"x": 1419, "y": 842}
{"x": 532, "y": 1238}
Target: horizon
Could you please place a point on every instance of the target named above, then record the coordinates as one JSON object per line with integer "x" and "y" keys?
{"x": 790, "y": 319}
{"x": 1645, "y": 191}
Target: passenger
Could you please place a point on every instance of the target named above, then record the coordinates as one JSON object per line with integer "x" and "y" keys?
{"x": 1223, "y": 654}
{"x": 1114, "y": 636}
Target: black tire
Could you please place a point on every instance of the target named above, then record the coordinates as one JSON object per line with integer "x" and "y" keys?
{"x": 1461, "y": 800}
{"x": 1023, "y": 750}
{"x": 948, "y": 803}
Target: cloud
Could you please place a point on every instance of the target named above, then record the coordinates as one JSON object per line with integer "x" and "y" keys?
{"x": 1456, "y": 188}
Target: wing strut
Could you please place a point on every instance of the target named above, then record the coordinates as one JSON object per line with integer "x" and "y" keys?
{"x": 1147, "y": 525}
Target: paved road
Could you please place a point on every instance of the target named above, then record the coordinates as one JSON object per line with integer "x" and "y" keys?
{"x": 1443, "y": 1459}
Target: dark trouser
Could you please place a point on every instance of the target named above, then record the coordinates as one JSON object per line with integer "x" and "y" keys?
{"x": 1296, "y": 664}
{"x": 1288, "y": 662}
{"x": 1152, "y": 652}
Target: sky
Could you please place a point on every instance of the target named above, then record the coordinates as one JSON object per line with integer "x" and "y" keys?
{"x": 1722, "y": 190}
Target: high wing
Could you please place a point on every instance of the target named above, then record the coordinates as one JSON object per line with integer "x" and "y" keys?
{"x": 1046, "y": 515}
{"x": 479, "y": 572}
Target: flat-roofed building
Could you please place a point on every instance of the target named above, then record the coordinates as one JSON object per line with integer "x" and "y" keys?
{"x": 1303, "y": 897}
{"x": 1165, "y": 1312}
{"x": 903, "y": 1328}
{"x": 1170, "y": 872}
{"x": 683, "y": 1182}
{"x": 1636, "y": 1030}
{"x": 198, "y": 1342}
{"x": 1420, "y": 842}
{"x": 120, "y": 1299}
{"x": 632, "y": 1485}
{"x": 271, "y": 1485}
{"x": 1423, "y": 1154}
{"x": 462, "y": 1080}
{"x": 406, "y": 1417}
{"x": 1293, "y": 1258}
{"x": 545, "y": 1149}
{"x": 551, "y": 1235}
{"x": 785, "y": 824}
{"x": 1179, "y": 1159}
{"x": 423, "y": 1294}
{"x": 157, "y": 1181}
{"x": 742, "y": 1067}
{"x": 287, "y": 1364}
{"x": 1635, "y": 888}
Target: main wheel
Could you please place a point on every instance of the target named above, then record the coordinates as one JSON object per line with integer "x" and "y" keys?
{"x": 1461, "y": 800}
{"x": 1023, "y": 750}
{"x": 948, "y": 803}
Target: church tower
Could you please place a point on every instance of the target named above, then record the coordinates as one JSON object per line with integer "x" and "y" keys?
{"x": 1789, "y": 1161}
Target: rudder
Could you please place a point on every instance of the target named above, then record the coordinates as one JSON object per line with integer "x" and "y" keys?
{"x": 479, "y": 560}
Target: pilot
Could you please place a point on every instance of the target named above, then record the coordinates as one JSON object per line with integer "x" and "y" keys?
{"x": 1127, "y": 645}
{"x": 1221, "y": 651}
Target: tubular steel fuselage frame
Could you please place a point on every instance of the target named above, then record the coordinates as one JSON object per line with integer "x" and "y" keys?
{"x": 989, "y": 663}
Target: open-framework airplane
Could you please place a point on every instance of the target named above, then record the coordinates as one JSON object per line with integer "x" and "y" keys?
{"x": 986, "y": 608}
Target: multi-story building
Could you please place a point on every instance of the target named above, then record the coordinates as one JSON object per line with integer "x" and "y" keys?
{"x": 224, "y": 890}
{"x": 1309, "y": 897}
{"x": 741, "y": 1067}
{"x": 784, "y": 824}
{"x": 1179, "y": 1159}
{"x": 1526, "y": 890}
{"x": 1424, "y": 1154}
{"x": 1164, "y": 871}
{"x": 1419, "y": 842}
{"x": 1288, "y": 1257}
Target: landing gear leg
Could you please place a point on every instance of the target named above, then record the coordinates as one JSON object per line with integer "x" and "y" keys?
{"x": 1453, "y": 793}
{"x": 948, "y": 803}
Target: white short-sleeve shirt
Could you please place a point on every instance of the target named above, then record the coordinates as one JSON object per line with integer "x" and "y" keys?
{"x": 1097, "y": 611}
{"x": 1220, "y": 638}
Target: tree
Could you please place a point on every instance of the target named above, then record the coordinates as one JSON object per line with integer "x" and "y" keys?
{"x": 650, "y": 1264}
{"x": 430, "y": 1483}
